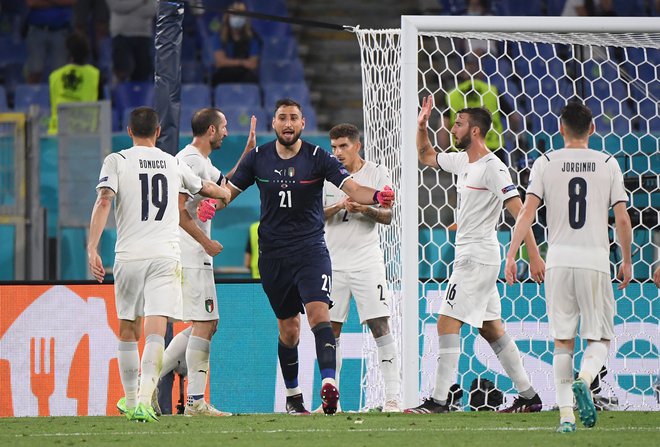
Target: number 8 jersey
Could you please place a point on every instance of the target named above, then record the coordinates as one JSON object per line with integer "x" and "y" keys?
{"x": 146, "y": 181}
{"x": 578, "y": 187}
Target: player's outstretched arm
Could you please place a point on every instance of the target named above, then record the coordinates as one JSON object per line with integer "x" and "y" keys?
{"x": 425, "y": 152}
{"x": 215, "y": 191}
{"x": 536, "y": 264}
{"x": 97, "y": 224}
{"x": 379, "y": 214}
{"x": 186, "y": 222}
{"x": 366, "y": 195}
{"x": 523, "y": 226}
{"x": 333, "y": 209}
{"x": 624, "y": 236}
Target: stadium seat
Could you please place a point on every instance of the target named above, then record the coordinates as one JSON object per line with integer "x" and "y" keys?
{"x": 279, "y": 47}
{"x": 29, "y": 94}
{"x": 191, "y": 72}
{"x": 310, "y": 118}
{"x": 3, "y": 99}
{"x": 238, "y": 118}
{"x": 197, "y": 95}
{"x": 273, "y": 91}
{"x": 187, "y": 112}
{"x": 269, "y": 28}
{"x": 281, "y": 71}
{"x": 133, "y": 94}
{"x": 237, "y": 95}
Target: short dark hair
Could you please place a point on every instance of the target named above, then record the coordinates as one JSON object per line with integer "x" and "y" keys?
{"x": 78, "y": 48}
{"x": 143, "y": 122}
{"x": 576, "y": 118}
{"x": 287, "y": 102}
{"x": 479, "y": 117}
{"x": 347, "y": 130}
{"x": 203, "y": 119}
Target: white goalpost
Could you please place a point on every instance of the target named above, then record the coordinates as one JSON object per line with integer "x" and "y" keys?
{"x": 534, "y": 65}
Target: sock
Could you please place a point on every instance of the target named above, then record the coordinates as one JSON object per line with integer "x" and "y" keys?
{"x": 509, "y": 357}
{"x": 197, "y": 358}
{"x": 593, "y": 360}
{"x": 152, "y": 361}
{"x": 129, "y": 364}
{"x": 288, "y": 356}
{"x": 388, "y": 360}
{"x": 449, "y": 350}
{"x": 338, "y": 361}
{"x": 175, "y": 353}
{"x": 326, "y": 353}
{"x": 562, "y": 365}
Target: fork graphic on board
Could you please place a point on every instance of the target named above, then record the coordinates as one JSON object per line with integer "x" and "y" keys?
{"x": 42, "y": 383}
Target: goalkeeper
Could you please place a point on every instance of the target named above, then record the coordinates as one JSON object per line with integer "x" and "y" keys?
{"x": 483, "y": 185}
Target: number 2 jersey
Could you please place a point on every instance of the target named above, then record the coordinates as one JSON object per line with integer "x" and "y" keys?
{"x": 578, "y": 187}
{"x": 291, "y": 192}
{"x": 146, "y": 181}
{"x": 352, "y": 238}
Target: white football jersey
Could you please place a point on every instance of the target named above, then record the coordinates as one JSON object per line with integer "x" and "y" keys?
{"x": 146, "y": 181}
{"x": 192, "y": 253}
{"x": 352, "y": 238}
{"x": 578, "y": 187}
{"x": 481, "y": 189}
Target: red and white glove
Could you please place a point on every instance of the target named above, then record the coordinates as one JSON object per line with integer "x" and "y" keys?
{"x": 384, "y": 198}
{"x": 206, "y": 209}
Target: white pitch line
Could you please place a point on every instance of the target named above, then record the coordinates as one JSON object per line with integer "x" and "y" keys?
{"x": 357, "y": 430}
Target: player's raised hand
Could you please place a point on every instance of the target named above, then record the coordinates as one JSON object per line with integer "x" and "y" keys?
{"x": 252, "y": 134}
{"x": 425, "y": 112}
{"x": 625, "y": 275}
{"x": 385, "y": 198}
{"x": 213, "y": 248}
{"x": 206, "y": 209}
{"x": 510, "y": 270}
{"x": 95, "y": 265}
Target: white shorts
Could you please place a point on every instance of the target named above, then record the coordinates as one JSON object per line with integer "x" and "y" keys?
{"x": 369, "y": 289}
{"x": 579, "y": 295}
{"x": 200, "y": 302}
{"x": 471, "y": 295}
{"x": 148, "y": 287}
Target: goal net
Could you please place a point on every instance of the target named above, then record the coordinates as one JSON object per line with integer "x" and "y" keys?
{"x": 525, "y": 69}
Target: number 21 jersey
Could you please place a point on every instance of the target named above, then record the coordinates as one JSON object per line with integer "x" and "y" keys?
{"x": 578, "y": 187}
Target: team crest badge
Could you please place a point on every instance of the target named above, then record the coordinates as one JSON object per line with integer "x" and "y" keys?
{"x": 291, "y": 171}
{"x": 209, "y": 305}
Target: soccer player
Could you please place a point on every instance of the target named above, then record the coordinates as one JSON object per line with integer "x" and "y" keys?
{"x": 578, "y": 186}
{"x": 200, "y": 303}
{"x": 147, "y": 269}
{"x": 357, "y": 260}
{"x": 483, "y": 185}
{"x": 294, "y": 263}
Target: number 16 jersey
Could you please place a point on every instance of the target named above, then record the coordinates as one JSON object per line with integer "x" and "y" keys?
{"x": 578, "y": 187}
{"x": 147, "y": 182}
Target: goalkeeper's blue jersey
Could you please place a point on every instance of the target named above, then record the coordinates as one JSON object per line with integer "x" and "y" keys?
{"x": 291, "y": 193}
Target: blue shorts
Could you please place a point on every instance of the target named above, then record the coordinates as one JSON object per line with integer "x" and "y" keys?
{"x": 292, "y": 282}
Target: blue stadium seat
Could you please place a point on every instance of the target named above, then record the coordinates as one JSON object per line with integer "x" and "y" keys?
{"x": 310, "y": 118}
{"x": 238, "y": 118}
{"x": 191, "y": 72}
{"x": 133, "y": 94}
{"x": 29, "y": 94}
{"x": 187, "y": 112}
{"x": 197, "y": 95}
{"x": 3, "y": 99}
{"x": 281, "y": 71}
{"x": 237, "y": 95}
{"x": 269, "y": 28}
{"x": 272, "y": 7}
{"x": 279, "y": 47}
{"x": 274, "y": 91}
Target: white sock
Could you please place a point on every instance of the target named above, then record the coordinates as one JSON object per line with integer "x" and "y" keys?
{"x": 509, "y": 356}
{"x": 562, "y": 365}
{"x": 129, "y": 365}
{"x": 338, "y": 360}
{"x": 175, "y": 353}
{"x": 197, "y": 358}
{"x": 388, "y": 360}
{"x": 449, "y": 350}
{"x": 593, "y": 360}
{"x": 152, "y": 362}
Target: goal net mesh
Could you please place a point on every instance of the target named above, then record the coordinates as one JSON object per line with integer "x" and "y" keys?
{"x": 532, "y": 75}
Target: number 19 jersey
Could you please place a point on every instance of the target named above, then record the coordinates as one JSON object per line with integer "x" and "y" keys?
{"x": 578, "y": 187}
{"x": 146, "y": 181}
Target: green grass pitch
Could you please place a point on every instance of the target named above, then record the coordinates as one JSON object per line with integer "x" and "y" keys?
{"x": 343, "y": 430}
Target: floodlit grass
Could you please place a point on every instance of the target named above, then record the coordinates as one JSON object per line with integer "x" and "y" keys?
{"x": 346, "y": 429}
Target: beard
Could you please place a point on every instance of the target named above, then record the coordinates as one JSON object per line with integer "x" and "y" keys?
{"x": 463, "y": 143}
{"x": 284, "y": 142}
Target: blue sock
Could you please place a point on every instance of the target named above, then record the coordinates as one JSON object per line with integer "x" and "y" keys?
{"x": 326, "y": 349}
{"x": 288, "y": 356}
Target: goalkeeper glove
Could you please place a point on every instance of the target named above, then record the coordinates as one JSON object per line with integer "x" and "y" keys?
{"x": 384, "y": 198}
{"x": 206, "y": 209}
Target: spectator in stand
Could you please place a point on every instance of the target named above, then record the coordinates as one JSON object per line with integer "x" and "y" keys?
{"x": 588, "y": 8}
{"x": 92, "y": 15}
{"x": 48, "y": 24}
{"x": 74, "y": 82}
{"x": 236, "y": 49}
{"x": 131, "y": 28}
